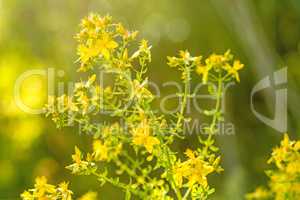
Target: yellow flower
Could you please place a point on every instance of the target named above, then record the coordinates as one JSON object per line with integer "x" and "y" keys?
{"x": 27, "y": 196}
{"x": 215, "y": 59}
{"x": 77, "y": 156}
{"x": 280, "y": 154}
{"x": 64, "y": 187}
{"x": 179, "y": 171}
{"x": 102, "y": 46}
{"x": 100, "y": 151}
{"x": 42, "y": 188}
{"x": 144, "y": 45}
{"x": 204, "y": 71}
{"x": 140, "y": 90}
{"x": 190, "y": 154}
{"x": 147, "y": 141}
{"x": 141, "y": 136}
{"x": 89, "y": 196}
{"x": 94, "y": 21}
{"x": 285, "y": 143}
{"x": 186, "y": 56}
{"x": 40, "y": 182}
{"x": 199, "y": 172}
{"x": 297, "y": 146}
{"x": 44, "y": 191}
{"x": 284, "y": 180}
{"x": 105, "y": 45}
{"x": 293, "y": 167}
{"x": 195, "y": 170}
{"x": 64, "y": 190}
{"x": 234, "y": 69}
{"x": 80, "y": 165}
{"x": 86, "y": 53}
{"x": 259, "y": 193}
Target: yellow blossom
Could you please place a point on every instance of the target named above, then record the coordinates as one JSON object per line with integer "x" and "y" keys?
{"x": 27, "y": 196}
{"x": 199, "y": 172}
{"x": 100, "y": 150}
{"x": 86, "y": 53}
{"x": 102, "y": 46}
{"x": 42, "y": 187}
{"x": 105, "y": 45}
{"x": 215, "y": 59}
{"x": 185, "y": 55}
{"x": 234, "y": 69}
{"x": 218, "y": 60}
{"x": 44, "y": 191}
{"x": 141, "y": 136}
{"x": 64, "y": 186}
{"x": 216, "y": 64}
{"x": 195, "y": 170}
{"x": 190, "y": 154}
{"x": 284, "y": 180}
{"x": 204, "y": 71}
{"x": 259, "y": 193}
{"x": 89, "y": 196}
{"x": 179, "y": 172}
{"x": 77, "y": 156}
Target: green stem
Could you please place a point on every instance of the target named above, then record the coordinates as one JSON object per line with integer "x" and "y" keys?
{"x": 179, "y": 125}
{"x": 142, "y": 71}
{"x": 185, "y": 97}
{"x": 170, "y": 177}
{"x": 120, "y": 185}
{"x": 218, "y": 104}
{"x": 216, "y": 111}
{"x": 125, "y": 187}
{"x": 186, "y": 194}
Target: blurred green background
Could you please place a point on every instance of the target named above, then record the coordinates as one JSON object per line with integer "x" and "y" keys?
{"x": 35, "y": 34}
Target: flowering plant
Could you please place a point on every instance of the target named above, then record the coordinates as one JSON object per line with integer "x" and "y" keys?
{"x": 147, "y": 166}
{"x": 285, "y": 178}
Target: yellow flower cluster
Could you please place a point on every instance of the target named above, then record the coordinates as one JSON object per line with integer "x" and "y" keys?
{"x": 183, "y": 62}
{"x": 195, "y": 169}
{"x": 94, "y": 41}
{"x": 285, "y": 179}
{"x": 102, "y": 40}
{"x": 102, "y": 151}
{"x": 217, "y": 64}
{"x": 142, "y": 136}
{"x": 105, "y": 151}
{"x": 44, "y": 191}
{"x": 102, "y": 46}
{"x": 184, "y": 58}
{"x": 81, "y": 165}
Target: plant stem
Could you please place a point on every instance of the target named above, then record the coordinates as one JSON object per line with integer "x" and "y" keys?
{"x": 216, "y": 111}
{"x": 185, "y": 97}
{"x": 186, "y": 194}
{"x": 218, "y": 104}
{"x": 179, "y": 124}
{"x": 170, "y": 177}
